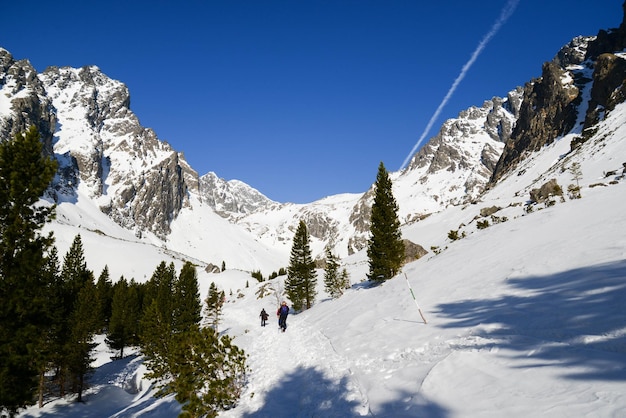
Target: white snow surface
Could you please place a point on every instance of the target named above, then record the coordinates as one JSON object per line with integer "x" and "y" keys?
{"x": 524, "y": 318}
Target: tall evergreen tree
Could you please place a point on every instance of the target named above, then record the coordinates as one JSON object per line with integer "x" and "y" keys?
{"x": 214, "y": 303}
{"x": 81, "y": 319}
{"x": 187, "y": 303}
{"x": 125, "y": 316}
{"x": 301, "y": 276}
{"x": 173, "y": 307}
{"x": 52, "y": 344}
{"x": 60, "y": 329}
{"x": 25, "y": 173}
{"x": 385, "y": 246}
{"x": 75, "y": 273}
{"x": 157, "y": 324}
{"x": 335, "y": 282}
{"x": 104, "y": 290}
{"x": 160, "y": 288}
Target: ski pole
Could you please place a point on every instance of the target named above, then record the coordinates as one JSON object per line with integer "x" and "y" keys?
{"x": 415, "y": 300}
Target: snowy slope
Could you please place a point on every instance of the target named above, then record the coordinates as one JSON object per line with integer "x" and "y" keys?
{"x": 525, "y": 317}
{"x": 204, "y": 237}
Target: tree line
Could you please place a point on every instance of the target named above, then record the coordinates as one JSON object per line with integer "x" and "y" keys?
{"x": 51, "y": 311}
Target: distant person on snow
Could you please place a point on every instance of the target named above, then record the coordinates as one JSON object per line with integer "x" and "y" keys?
{"x": 264, "y": 317}
{"x": 282, "y": 313}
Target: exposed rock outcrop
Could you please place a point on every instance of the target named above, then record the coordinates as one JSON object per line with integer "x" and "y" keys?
{"x": 29, "y": 102}
{"x": 413, "y": 251}
{"x": 547, "y": 190}
{"x": 231, "y": 198}
{"x": 550, "y": 103}
{"x": 548, "y": 111}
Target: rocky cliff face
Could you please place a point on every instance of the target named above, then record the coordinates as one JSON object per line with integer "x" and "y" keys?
{"x": 86, "y": 123}
{"x": 553, "y": 103}
{"x": 138, "y": 180}
{"x": 548, "y": 110}
{"x": 609, "y": 74}
{"x": 468, "y": 147}
{"x": 26, "y": 101}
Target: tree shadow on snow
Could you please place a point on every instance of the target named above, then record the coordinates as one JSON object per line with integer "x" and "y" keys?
{"x": 572, "y": 318}
{"x": 407, "y": 404}
{"x": 306, "y": 392}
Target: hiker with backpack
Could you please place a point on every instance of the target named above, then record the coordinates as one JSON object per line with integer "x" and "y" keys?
{"x": 282, "y": 313}
{"x": 264, "y": 317}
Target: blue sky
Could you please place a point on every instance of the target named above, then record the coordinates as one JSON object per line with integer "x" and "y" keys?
{"x": 299, "y": 99}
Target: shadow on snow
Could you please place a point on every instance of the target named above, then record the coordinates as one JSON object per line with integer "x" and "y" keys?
{"x": 572, "y": 318}
{"x": 306, "y": 392}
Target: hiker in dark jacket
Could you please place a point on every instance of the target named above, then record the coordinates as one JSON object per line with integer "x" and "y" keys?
{"x": 282, "y": 313}
{"x": 264, "y": 317}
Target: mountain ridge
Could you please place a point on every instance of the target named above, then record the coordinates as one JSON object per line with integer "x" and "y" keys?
{"x": 145, "y": 186}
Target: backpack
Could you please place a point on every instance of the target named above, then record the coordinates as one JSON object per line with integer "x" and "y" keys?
{"x": 284, "y": 310}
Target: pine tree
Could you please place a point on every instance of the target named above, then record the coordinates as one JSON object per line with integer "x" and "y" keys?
{"x": 577, "y": 175}
{"x": 83, "y": 323}
{"x": 25, "y": 173}
{"x": 335, "y": 282}
{"x": 214, "y": 304}
{"x": 75, "y": 273}
{"x": 205, "y": 372}
{"x": 104, "y": 290}
{"x": 81, "y": 319}
{"x": 173, "y": 308}
{"x": 331, "y": 273}
{"x": 157, "y": 323}
{"x": 60, "y": 329}
{"x": 344, "y": 280}
{"x": 125, "y": 316}
{"x": 385, "y": 246}
{"x": 160, "y": 287}
{"x": 301, "y": 276}
{"x": 187, "y": 304}
{"x": 51, "y": 343}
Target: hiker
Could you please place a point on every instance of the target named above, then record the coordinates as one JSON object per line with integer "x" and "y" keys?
{"x": 264, "y": 317}
{"x": 282, "y": 313}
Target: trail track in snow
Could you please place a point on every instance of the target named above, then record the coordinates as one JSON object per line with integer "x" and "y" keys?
{"x": 297, "y": 373}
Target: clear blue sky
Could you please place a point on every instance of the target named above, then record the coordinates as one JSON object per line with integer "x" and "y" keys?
{"x": 300, "y": 99}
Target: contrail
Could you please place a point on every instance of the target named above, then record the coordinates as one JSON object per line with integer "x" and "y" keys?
{"x": 507, "y": 11}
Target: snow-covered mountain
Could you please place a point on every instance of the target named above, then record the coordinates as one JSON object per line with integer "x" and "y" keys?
{"x": 525, "y": 317}
{"x": 147, "y": 192}
{"x": 525, "y": 309}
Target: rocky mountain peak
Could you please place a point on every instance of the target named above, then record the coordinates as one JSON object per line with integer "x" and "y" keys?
{"x": 232, "y": 198}
{"x": 86, "y": 123}
{"x": 548, "y": 110}
{"x": 468, "y": 146}
{"x": 574, "y": 52}
{"x": 553, "y": 103}
{"x": 26, "y": 103}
